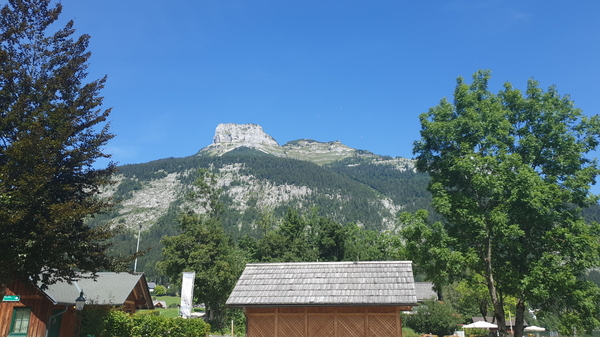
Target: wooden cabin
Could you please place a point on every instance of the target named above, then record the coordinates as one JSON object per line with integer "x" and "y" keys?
{"x": 334, "y": 299}
{"x": 26, "y": 310}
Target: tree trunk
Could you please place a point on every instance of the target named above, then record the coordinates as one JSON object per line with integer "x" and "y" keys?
{"x": 483, "y": 309}
{"x": 519, "y": 319}
{"x": 496, "y": 301}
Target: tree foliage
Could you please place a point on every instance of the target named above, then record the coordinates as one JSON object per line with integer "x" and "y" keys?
{"x": 510, "y": 175}
{"x": 52, "y": 130}
{"x": 433, "y": 317}
{"x": 309, "y": 237}
{"x": 205, "y": 248}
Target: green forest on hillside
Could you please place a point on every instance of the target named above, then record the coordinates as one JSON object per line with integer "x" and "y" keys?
{"x": 359, "y": 184}
{"x": 360, "y": 179}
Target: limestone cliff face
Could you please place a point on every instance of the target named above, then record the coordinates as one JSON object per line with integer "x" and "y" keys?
{"x": 247, "y": 134}
{"x": 231, "y": 136}
{"x": 318, "y": 152}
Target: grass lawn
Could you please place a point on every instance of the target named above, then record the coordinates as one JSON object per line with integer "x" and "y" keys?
{"x": 172, "y": 301}
{"x": 173, "y": 312}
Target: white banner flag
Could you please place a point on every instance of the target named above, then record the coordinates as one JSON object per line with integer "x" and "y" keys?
{"x": 187, "y": 294}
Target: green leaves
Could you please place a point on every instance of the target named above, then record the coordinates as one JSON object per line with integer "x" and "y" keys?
{"x": 433, "y": 317}
{"x": 431, "y": 249}
{"x": 510, "y": 175}
{"x": 205, "y": 248}
{"x": 52, "y": 130}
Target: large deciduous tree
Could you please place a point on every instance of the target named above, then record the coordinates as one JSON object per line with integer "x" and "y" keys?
{"x": 510, "y": 174}
{"x": 52, "y": 130}
{"x": 204, "y": 248}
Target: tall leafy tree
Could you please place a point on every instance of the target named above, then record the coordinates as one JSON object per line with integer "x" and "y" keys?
{"x": 510, "y": 175}
{"x": 205, "y": 248}
{"x": 52, "y": 130}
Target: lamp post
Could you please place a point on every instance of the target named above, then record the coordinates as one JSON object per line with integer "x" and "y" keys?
{"x": 79, "y": 304}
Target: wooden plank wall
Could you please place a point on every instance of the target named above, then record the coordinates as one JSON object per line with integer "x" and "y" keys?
{"x": 324, "y": 322}
{"x": 69, "y": 321}
{"x": 41, "y": 310}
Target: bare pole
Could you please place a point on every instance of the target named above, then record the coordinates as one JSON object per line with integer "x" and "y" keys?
{"x": 137, "y": 249}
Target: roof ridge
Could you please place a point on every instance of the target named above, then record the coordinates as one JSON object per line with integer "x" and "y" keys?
{"x": 320, "y": 263}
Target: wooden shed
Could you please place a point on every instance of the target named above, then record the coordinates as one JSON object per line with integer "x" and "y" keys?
{"x": 325, "y": 299}
{"x": 27, "y": 310}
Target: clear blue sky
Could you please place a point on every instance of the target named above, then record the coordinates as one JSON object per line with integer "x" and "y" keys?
{"x": 355, "y": 71}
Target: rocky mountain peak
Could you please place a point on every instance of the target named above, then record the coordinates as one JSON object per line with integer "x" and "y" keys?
{"x": 230, "y": 136}
{"x": 247, "y": 134}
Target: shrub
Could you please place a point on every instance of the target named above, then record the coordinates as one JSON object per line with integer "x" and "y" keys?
{"x": 433, "y": 317}
{"x": 117, "y": 324}
{"x": 111, "y": 322}
{"x": 192, "y": 327}
{"x": 478, "y": 332}
{"x": 156, "y": 326}
{"x": 93, "y": 320}
{"x": 148, "y": 312}
{"x": 160, "y": 290}
{"x": 408, "y": 332}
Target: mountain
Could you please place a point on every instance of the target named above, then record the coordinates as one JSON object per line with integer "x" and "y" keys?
{"x": 231, "y": 136}
{"x": 259, "y": 176}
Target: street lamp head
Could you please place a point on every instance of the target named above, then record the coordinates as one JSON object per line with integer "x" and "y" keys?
{"x": 80, "y": 302}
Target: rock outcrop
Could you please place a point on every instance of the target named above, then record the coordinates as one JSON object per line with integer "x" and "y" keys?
{"x": 231, "y": 136}
{"x": 247, "y": 134}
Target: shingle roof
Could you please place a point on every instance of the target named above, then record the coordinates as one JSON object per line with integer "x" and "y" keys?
{"x": 109, "y": 288}
{"x": 367, "y": 283}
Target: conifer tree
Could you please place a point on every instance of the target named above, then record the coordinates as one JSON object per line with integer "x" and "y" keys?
{"x": 52, "y": 130}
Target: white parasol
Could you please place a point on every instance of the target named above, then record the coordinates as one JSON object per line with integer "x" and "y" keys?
{"x": 534, "y": 328}
{"x": 480, "y": 325}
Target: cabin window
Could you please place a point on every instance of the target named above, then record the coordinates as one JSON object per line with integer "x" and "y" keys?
{"x": 20, "y": 321}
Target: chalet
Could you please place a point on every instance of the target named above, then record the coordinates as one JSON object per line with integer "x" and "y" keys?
{"x": 337, "y": 299}
{"x": 27, "y": 310}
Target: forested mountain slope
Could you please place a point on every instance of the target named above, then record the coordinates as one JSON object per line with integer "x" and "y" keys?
{"x": 330, "y": 179}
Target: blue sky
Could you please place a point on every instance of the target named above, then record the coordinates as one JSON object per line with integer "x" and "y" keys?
{"x": 359, "y": 72}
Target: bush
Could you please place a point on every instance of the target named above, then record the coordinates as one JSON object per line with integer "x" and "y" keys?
{"x": 433, "y": 317}
{"x": 408, "y": 332}
{"x": 93, "y": 320}
{"x": 111, "y": 322}
{"x": 156, "y": 326}
{"x": 160, "y": 290}
{"x": 148, "y": 312}
{"x": 117, "y": 324}
{"x": 192, "y": 327}
{"x": 478, "y": 332}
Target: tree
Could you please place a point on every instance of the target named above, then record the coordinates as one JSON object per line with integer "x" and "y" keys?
{"x": 509, "y": 174}
{"x": 203, "y": 247}
{"x": 52, "y": 130}
{"x": 369, "y": 245}
{"x": 433, "y": 317}
{"x": 160, "y": 290}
